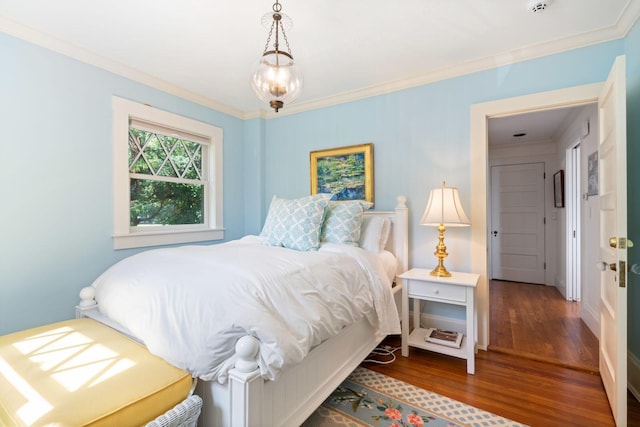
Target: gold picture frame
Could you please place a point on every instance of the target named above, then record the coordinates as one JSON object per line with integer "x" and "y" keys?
{"x": 345, "y": 172}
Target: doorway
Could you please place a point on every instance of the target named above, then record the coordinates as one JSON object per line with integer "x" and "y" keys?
{"x": 611, "y": 114}
{"x": 520, "y": 244}
{"x": 480, "y": 115}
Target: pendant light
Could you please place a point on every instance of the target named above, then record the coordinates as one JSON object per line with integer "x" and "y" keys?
{"x": 276, "y": 78}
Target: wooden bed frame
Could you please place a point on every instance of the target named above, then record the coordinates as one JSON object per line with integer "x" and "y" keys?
{"x": 247, "y": 399}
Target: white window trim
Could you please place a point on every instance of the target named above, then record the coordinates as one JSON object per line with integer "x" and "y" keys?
{"x": 125, "y": 236}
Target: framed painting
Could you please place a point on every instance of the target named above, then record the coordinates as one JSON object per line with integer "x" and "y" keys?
{"x": 345, "y": 172}
{"x": 558, "y": 189}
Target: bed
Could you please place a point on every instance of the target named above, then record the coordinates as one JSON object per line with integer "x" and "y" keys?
{"x": 248, "y": 388}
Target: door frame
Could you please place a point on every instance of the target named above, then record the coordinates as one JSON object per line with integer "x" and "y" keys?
{"x": 573, "y": 291}
{"x": 480, "y": 114}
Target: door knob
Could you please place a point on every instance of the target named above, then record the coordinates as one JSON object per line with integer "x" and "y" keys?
{"x": 603, "y": 266}
{"x": 622, "y": 242}
{"x": 495, "y": 233}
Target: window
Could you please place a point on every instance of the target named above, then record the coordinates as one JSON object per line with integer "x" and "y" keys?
{"x": 167, "y": 177}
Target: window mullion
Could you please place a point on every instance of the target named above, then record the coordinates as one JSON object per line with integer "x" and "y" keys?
{"x": 167, "y": 179}
{"x": 136, "y": 142}
{"x": 167, "y": 154}
{"x": 173, "y": 163}
{"x": 192, "y": 161}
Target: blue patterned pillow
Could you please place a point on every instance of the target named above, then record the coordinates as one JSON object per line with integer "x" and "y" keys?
{"x": 343, "y": 222}
{"x": 296, "y": 223}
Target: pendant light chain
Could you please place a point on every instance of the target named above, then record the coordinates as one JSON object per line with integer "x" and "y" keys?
{"x": 266, "y": 45}
{"x": 277, "y": 22}
{"x": 284, "y": 35}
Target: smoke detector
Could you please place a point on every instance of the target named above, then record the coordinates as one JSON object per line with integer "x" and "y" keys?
{"x": 536, "y": 6}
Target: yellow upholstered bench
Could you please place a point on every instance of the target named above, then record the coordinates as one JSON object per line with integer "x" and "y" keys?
{"x": 83, "y": 373}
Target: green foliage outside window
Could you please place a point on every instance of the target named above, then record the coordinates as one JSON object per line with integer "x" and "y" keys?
{"x": 160, "y": 199}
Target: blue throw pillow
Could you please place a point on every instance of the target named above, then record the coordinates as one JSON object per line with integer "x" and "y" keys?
{"x": 296, "y": 223}
{"x": 343, "y": 222}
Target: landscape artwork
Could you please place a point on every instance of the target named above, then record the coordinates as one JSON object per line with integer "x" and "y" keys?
{"x": 346, "y": 172}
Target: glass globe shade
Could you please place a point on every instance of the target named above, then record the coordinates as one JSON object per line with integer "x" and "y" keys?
{"x": 277, "y": 79}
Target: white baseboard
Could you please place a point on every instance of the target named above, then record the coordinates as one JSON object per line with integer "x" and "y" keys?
{"x": 633, "y": 375}
{"x": 591, "y": 318}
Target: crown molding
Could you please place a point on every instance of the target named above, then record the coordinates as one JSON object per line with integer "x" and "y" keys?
{"x": 628, "y": 17}
{"x": 626, "y": 20}
{"x": 49, "y": 42}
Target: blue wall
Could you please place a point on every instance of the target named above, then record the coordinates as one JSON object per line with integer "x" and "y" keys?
{"x": 421, "y": 137}
{"x": 56, "y": 182}
{"x": 56, "y": 217}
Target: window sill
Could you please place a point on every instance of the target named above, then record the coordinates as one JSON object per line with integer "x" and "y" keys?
{"x": 140, "y": 240}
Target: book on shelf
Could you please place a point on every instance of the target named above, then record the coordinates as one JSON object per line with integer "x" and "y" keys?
{"x": 442, "y": 337}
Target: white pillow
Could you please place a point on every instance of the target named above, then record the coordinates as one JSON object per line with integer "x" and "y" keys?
{"x": 375, "y": 233}
{"x": 343, "y": 222}
{"x": 390, "y": 264}
{"x": 296, "y": 223}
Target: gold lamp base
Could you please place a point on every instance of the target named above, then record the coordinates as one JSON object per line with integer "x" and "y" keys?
{"x": 441, "y": 254}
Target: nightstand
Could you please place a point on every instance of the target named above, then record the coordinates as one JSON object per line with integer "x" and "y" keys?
{"x": 459, "y": 289}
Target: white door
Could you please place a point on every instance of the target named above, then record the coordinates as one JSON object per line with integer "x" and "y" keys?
{"x": 612, "y": 166}
{"x": 517, "y": 223}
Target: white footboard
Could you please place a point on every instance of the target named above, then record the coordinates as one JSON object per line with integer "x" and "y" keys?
{"x": 249, "y": 400}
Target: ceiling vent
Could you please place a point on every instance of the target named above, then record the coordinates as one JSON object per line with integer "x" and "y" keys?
{"x": 538, "y": 5}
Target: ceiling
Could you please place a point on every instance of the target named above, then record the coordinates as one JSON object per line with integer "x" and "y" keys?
{"x": 539, "y": 126}
{"x": 206, "y": 50}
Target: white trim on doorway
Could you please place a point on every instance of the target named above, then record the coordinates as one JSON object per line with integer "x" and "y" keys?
{"x": 572, "y": 288}
{"x": 480, "y": 113}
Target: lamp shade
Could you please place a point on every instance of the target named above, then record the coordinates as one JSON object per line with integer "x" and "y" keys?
{"x": 444, "y": 207}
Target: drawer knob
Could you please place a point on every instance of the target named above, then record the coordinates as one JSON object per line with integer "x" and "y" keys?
{"x": 436, "y": 291}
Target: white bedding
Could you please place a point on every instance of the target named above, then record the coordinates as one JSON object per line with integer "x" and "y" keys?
{"x": 190, "y": 304}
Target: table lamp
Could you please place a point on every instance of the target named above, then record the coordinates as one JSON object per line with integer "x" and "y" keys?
{"x": 443, "y": 209}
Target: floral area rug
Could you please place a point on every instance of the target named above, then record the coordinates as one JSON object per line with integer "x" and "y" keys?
{"x": 368, "y": 398}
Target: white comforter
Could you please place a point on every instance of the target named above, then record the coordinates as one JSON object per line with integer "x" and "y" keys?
{"x": 190, "y": 304}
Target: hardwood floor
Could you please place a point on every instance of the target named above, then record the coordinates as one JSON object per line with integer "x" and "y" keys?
{"x": 535, "y": 321}
{"x": 524, "y": 390}
{"x": 530, "y": 390}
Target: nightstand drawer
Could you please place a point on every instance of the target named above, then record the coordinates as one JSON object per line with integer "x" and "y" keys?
{"x": 437, "y": 291}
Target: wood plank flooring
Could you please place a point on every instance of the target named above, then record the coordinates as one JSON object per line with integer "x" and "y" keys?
{"x": 535, "y": 321}
{"x": 529, "y": 390}
{"x": 524, "y": 390}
